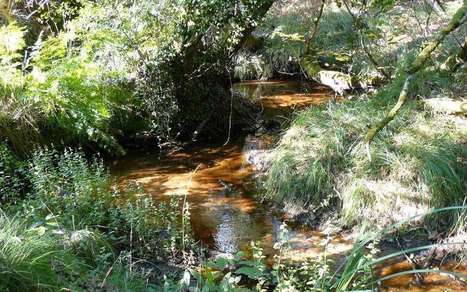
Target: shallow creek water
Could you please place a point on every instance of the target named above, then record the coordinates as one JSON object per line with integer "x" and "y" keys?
{"x": 224, "y": 213}
{"x": 220, "y": 187}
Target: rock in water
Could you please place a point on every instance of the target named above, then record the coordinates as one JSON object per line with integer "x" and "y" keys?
{"x": 338, "y": 81}
{"x": 227, "y": 188}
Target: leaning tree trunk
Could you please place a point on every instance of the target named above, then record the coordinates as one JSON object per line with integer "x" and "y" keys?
{"x": 260, "y": 12}
{"x": 201, "y": 75}
{"x": 458, "y": 19}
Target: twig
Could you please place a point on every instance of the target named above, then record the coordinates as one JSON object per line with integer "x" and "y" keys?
{"x": 362, "y": 42}
{"x": 231, "y": 109}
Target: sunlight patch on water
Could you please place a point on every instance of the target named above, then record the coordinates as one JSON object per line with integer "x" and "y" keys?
{"x": 224, "y": 215}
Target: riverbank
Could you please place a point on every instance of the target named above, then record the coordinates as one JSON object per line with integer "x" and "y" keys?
{"x": 221, "y": 187}
{"x": 223, "y": 212}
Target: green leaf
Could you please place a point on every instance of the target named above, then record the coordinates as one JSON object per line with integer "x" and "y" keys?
{"x": 250, "y": 272}
{"x": 219, "y": 264}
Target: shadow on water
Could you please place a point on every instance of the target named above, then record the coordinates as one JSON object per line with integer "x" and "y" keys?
{"x": 224, "y": 214}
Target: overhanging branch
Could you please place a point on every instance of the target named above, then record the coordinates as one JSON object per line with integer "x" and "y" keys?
{"x": 457, "y": 20}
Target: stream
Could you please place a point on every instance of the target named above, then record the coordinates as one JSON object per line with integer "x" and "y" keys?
{"x": 222, "y": 194}
{"x": 225, "y": 216}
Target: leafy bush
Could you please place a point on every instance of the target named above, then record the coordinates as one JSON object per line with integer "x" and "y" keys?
{"x": 88, "y": 226}
{"x": 117, "y": 69}
{"x": 81, "y": 195}
{"x": 58, "y": 90}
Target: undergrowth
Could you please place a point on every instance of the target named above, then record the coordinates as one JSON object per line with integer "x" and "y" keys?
{"x": 358, "y": 272}
{"x": 417, "y": 162}
{"x": 76, "y": 228}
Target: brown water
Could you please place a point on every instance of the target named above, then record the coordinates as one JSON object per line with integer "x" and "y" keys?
{"x": 284, "y": 94}
{"x": 279, "y": 98}
{"x": 218, "y": 182}
{"x": 224, "y": 214}
{"x": 430, "y": 282}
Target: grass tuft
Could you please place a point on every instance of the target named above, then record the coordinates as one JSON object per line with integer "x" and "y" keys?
{"x": 418, "y": 162}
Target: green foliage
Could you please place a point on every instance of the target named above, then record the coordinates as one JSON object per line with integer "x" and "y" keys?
{"x": 65, "y": 95}
{"x": 320, "y": 161}
{"x": 31, "y": 258}
{"x": 115, "y": 63}
{"x": 89, "y": 229}
{"x": 11, "y": 41}
{"x": 356, "y": 273}
{"x": 82, "y": 196}
{"x": 53, "y": 14}
{"x": 12, "y": 175}
{"x": 249, "y": 66}
{"x": 116, "y": 68}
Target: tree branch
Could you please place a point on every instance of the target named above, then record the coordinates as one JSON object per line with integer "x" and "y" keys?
{"x": 365, "y": 49}
{"x": 458, "y": 19}
{"x": 260, "y": 12}
{"x": 310, "y": 40}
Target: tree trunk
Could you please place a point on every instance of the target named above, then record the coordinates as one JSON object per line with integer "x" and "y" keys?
{"x": 260, "y": 13}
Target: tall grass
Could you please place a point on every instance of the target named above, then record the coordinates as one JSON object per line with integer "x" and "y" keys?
{"x": 418, "y": 161}
{"x": 357, "y": 262}
{"x": 79, "y": 229}
{"x": 28, "y": 259}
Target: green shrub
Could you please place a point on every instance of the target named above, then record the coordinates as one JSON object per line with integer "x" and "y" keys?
{"x": 82, "y": 195}
{"x": 58, "y": 96}
{"x": 93, "y": 232}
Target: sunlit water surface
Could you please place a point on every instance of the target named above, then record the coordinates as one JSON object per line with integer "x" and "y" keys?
{"x": 225, "y": 216}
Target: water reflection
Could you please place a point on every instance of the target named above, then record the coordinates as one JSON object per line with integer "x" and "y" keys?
{"x": 224, "y": 215}
{"x": 284, "y": 94}
{"x": 429, "y": 282}
{"x": 226, "y": 239}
